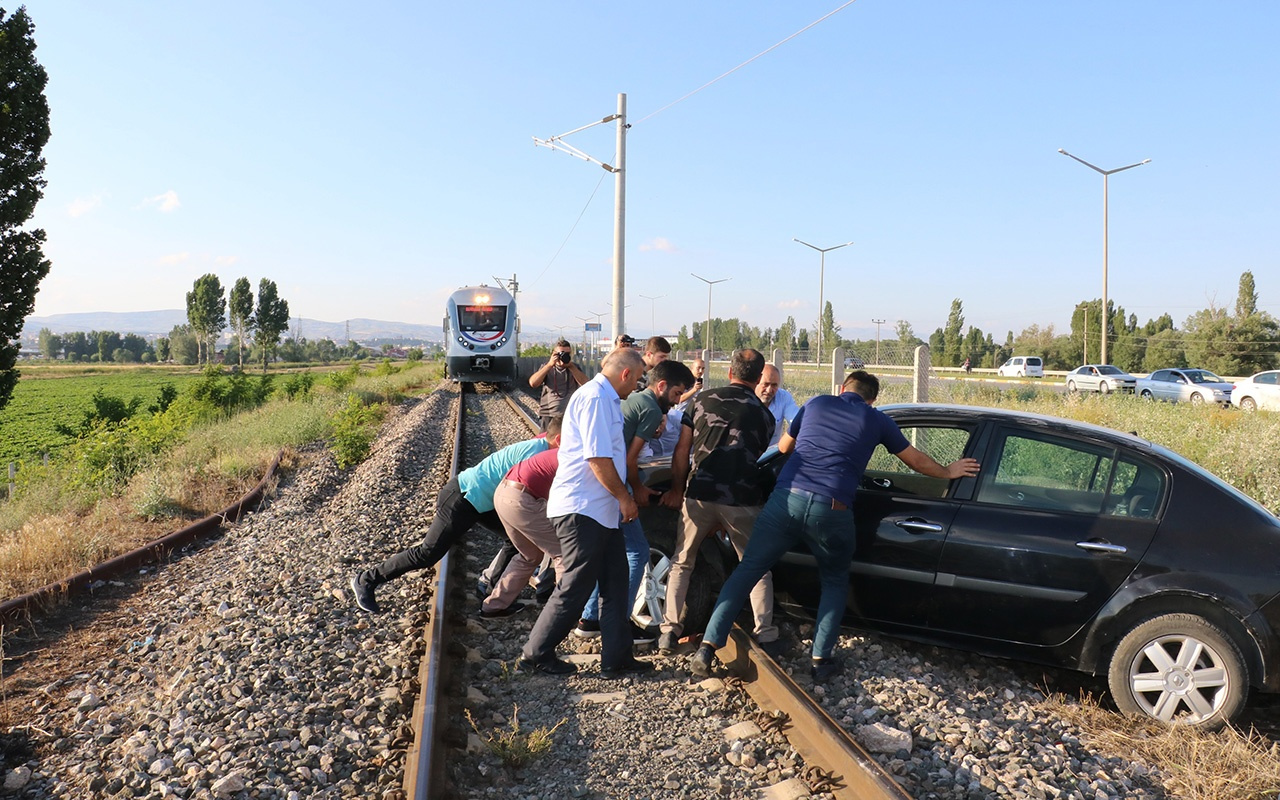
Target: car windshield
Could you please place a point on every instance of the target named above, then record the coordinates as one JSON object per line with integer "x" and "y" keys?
{"x": 1202, "y": 376}
{"x": 1109, "y": 370}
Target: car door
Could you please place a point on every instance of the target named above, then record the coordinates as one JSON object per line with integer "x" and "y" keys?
{"x": 1179, "y": 387}
{"x": 1085, "y": 380}
{"x": 902, "y": 518}
{"x": 1055, "y": 527}
{"x": 1159, "y": 383}
{"x": 1266, "y": 388}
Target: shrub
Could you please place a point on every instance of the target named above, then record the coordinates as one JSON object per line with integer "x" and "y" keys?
{"x": 342, "y": 379}
{"x": 354, "y": 428}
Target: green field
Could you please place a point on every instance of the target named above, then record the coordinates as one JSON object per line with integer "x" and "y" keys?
{"x": 46, "y": 396}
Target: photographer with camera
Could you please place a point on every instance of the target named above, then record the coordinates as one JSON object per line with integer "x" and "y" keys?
{"x": 559, "y": 377}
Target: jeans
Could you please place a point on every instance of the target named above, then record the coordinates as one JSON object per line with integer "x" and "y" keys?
{"x": 637, "y": 558}
{"x": 791, "y": 517}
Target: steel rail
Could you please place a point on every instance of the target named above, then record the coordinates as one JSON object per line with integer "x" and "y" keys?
{"x": 424, "y": 766}
{"x": 812, "y": 732}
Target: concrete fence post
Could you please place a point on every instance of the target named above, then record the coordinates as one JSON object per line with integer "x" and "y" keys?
{"x": 837, "y": 369}
{"x": 920, "y": 383}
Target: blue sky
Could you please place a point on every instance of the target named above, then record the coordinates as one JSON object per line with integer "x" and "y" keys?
{"x": 371, "y": 160}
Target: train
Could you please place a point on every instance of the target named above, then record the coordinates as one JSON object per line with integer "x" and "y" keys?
{"x": 480, "y": 330}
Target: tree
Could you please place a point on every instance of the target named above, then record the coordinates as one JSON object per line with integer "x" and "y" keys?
{"x": 108, "y": 343}
{"x": 183, "y": 345}
{"x": 240, "y": 308}
{"x": 162, "y": 348}
{"x": 50, "y": 344}
{"x": 24, "y": 131}
{"x": 207, "y": 312}
{"x": 1247, "y": 296}
{"x": 826, "y": 323}
{"x": 136, "y": 345}
{"x": 951, "y": 336}
{"x": 270, "y": 319}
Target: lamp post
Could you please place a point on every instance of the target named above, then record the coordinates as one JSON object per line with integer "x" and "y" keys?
{"x": 822, "y": 272}
{"x": 1106, "y": 173}
{"x": 597, "y": 315}
{"x": 653, "y": 303}
{"x": 878, "y": 323}
{"x": 585, "y": 320}
{"x": 709, "y": 285}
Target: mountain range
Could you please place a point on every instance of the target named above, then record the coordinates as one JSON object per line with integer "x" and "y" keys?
{"x": 150, "y": 324}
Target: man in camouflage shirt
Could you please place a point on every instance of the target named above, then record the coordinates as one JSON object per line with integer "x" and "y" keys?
{"x": 726, "y": 429}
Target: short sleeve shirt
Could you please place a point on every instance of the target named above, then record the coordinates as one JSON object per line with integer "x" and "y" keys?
{"x": 731, "y": 429}
{"x": 557, "y": 388}
{"x": 592, "y": 428}
{"x": 480, "y": 482}
{"x": 835, "y": 437}
{"x": 784, "y": 409}
{"x": 535, "y": 474}
{"x": 640, "y": 416}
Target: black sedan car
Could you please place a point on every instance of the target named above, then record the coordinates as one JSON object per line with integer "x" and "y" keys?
{"x": 1076, "y": 546}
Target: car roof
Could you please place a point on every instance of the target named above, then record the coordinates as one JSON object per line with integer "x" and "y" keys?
{"x": 959, "y": 413}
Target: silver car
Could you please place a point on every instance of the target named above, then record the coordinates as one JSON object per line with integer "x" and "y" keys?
{"x": 1260, "y": 391}
{"x": 1100, "y": 378}
{"x": 1196, "y": 386}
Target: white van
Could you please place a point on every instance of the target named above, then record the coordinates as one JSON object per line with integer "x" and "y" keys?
{"x": 1022, "y": 367}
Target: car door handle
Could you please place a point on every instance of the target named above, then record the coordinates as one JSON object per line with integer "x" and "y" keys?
{"x": 1102, "y": 547}
{"x": 882, "y": 483}
{"x": 917, "y": 525}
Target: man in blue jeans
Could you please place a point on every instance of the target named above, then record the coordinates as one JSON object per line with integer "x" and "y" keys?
{"x": 830, "y": 441}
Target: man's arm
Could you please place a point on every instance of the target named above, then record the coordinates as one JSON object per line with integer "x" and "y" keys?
{"x": 577, "y": 373}
{"x": 788, "y": 443}
{"x": 639, "y": 491}
{"x": 922, "y": 463}
{"x": 674, "y": 497}
{"x": 605, "y": 472}
{"x": 537, "y": 378}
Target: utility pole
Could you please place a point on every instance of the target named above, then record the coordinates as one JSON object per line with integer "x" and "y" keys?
{"x": 878, "y": 323}
{"x": 619, "y": 200}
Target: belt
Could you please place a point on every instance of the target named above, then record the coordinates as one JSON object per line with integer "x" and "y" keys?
{"x": 835, "y": 504}
{"x": 514, "y": 484}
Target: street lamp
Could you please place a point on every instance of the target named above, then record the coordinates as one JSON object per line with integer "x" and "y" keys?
{"x": 1106, "y": 314}
{"x": 878, "y": 323}
{"x": 653, "y": 329}
{"x": 709, "y": 285}
{"x": 597, "y": 315}
{"x": 822, "y": 272}
{"x": 585, "y": 320}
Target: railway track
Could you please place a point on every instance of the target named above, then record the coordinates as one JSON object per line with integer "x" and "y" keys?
{"x": 242, "y": 670}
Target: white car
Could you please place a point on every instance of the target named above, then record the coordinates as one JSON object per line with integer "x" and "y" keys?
{"x": 1196, "y": 386}
{"x": 1260, "y": 391}
{"x": 1022, "y": 367}
{"x": 1102, "y": 378}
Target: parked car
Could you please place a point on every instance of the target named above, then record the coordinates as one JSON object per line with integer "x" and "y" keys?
{"x": 1022, "y": 367}
{"x": 1102, "y": 378}
{"x": 1076, "y": 546}
{"x": 853, "y": 362}
{"x": 1195, "y": 386}
{"x": 1259, "y": 391}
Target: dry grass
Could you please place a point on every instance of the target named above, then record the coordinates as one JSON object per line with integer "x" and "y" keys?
{"x": 1193, "y": 764}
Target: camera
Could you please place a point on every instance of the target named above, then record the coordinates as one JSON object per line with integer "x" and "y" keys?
{"x": 563, "y": 357}
{"x": 698, "y": 381}
{"x": 628, "y": 341}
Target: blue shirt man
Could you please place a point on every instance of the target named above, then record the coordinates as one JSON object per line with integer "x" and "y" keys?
{"x": 830, "y": 441}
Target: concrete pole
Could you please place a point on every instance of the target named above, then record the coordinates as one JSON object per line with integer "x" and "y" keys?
{"x": 620, "y": 222}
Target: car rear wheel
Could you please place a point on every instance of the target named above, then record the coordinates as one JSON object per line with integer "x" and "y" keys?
{"x": 1197, "y": 399}
{"x": 1248, "y": 404}
{"x": 1180, "y": 669}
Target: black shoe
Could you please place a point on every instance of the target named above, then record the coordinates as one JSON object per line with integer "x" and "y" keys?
{"x": 541, "y": 598}
{"x": 514, "y": 608}
{"x": 642, "y": 635}
{"x": 700, "y": 662}
{"x": 633, "y": 667}
{"x": 549, "y": 666}
{"x": 668, "y": 642}
{"x": 774, "y": 649}
{"x": 363, "y": 591}
{"x": 587, "y": 629}
{"x": 824, "y": 669}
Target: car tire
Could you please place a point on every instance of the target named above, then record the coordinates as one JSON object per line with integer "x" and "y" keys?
{"x": 1104, "y": 387}
{"x": 1147, "y": 395}
{"x": 651, "y": 601}
{"x": 1180, "y": 669}
{"x": 1197, "y": 399}
{"x": 1071, "y": 387}
{"x": 1248, "y": 404}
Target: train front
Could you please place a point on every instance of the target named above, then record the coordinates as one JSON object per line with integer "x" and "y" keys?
{"x": 482, "y": 336}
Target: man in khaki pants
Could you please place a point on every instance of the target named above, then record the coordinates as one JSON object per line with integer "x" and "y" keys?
{"x": 726, "y": 429}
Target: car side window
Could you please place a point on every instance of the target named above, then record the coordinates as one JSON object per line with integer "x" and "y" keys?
{"x": 1268, "y": 378}
{"x": 1136, "y": 490}
{"x": 944, "y": 444}
{"x": 1047, "y": 473}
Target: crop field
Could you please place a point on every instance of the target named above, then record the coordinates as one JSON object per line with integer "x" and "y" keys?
{"x": 47, "y": 396}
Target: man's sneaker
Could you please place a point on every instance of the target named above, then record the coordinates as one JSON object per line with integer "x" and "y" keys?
{"x": 547, "y": 666}
{"x": 774, "y": 649}
{"x": 641, "y": 635}
{"x": 700, "y": 662}
{"x": 668, "y": 642}
{"x": 824, "y": 669}
{"x": 363, "y": 591}
{"x": 587, "y": 629}
{"x": 633, "y": 667}
{"x": 514, "y": 608}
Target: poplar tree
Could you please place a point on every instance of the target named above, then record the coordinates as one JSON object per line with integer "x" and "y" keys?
{"x": 270, "y": 320}
{"x": 241, "y": 310}
{"x": 24, "y": 131}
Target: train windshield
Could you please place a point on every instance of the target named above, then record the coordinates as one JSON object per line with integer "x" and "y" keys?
{"x": 482, "y": 319}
